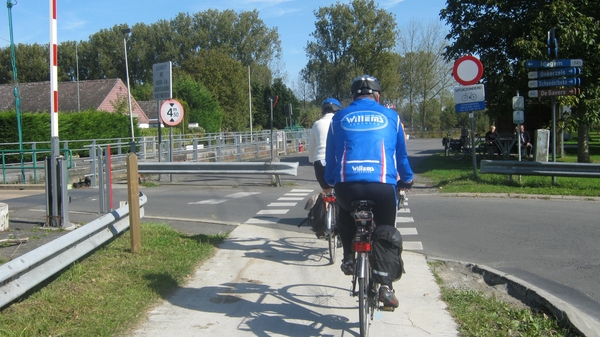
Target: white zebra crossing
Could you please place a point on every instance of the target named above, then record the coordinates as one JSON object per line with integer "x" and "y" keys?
{"x": 262, "y": 216}
{"x": 227, "y": 197}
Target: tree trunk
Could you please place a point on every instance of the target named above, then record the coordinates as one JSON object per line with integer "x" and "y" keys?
{"x": 583, "y": 150}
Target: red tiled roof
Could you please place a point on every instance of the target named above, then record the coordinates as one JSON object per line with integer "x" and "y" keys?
{"x": 93, "y": 94}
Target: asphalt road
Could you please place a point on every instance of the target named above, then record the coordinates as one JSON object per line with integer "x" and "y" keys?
{"x": 549, "y": 243}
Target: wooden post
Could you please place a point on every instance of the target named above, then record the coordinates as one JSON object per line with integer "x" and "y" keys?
{"x": 133, "y": 193}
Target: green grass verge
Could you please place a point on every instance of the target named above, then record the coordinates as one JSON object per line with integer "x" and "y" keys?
{"x": 108, "y": 291}
{"x": 480, "y": 314}
{"x": 454, "y": 176}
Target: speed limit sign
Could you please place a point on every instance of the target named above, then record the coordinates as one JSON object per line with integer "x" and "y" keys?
{"x": 171, "y": 112}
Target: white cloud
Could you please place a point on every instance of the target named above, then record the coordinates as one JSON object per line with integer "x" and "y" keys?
{"x": 390, "y": 3}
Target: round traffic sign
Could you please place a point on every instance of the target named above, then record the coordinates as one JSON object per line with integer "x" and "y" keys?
{"x": 171, "y": 112}
{"x": 467, "y": 70}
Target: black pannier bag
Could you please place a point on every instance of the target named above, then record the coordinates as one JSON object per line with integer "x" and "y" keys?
{"x": 317, "y": 214}
{"x": 385, "y": 254}
{"x": 455, "y": 144}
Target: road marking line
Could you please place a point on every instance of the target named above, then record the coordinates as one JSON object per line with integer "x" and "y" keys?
{"x": 241, "y": 195}
{"x": 296, "y": 194}
{"x": 289, "y": 199}
{"x": 273, "y": 211}
{"x": 208, "y": 202}
{"x": 282, "y": 204}
{"x": 301, "y": 191}
{"x": 404, "y": 210}
{"x": 408, "y": 231}
{"x": 405, "y": 219}
{"x": 412, "y": 245}
{"x": 218, "y": 201}
{"x": 263, "y": 221}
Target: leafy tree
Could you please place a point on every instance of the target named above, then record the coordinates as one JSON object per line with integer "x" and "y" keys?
{"x": 350, "y": 40}
{"x": 120, "y": 104}
{"x": 424, "y": 74}
{"x": 143, "y": 92}
{"x": 227, "y": 80}
{"x": 203, "y": 107}
{"x": 506, "y": 33}
{"x": 238, "y": 41}
{"x": 31, "y": 60}
{"x": 262, "y": 104}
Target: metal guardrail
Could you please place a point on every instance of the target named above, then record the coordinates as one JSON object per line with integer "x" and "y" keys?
{"x": 269, "y": 168}
{"x": 22, "y": 274}
{"x": 532, "y": 168}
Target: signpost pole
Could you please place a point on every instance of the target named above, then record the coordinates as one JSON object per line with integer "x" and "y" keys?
{"x": 159, "y": 136}
{"x": 170, "y": 150}
{"x": 271, "y": 100}
{"x": 473, "y": 150}
{"x": 554, "y": 133}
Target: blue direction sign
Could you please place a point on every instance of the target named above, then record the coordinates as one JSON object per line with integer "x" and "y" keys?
{"x": 554, "y": 63}
{"x": 554, "y": 73}
{"x": 554, "y": 92}
{"x": 468, "y": 107}
{"x": 554, "y": 82}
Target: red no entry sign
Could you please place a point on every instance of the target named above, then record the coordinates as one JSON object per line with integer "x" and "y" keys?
{"x": 467, "y": 70}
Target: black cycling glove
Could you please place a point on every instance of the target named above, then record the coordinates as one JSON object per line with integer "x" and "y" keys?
{"x": 404, "y": 186}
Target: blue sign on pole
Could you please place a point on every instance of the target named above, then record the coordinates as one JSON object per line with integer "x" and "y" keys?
{"x": 554, "y": 82}
{"x": 554, "y": 63}
{"x": 554, "y": 73}
{"x": 471, "y": 106}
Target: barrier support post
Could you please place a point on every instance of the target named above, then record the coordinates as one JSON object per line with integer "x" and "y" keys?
{"x": 133, "y": 193}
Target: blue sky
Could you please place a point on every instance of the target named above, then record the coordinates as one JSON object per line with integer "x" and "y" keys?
{"x": 294, "y": 19}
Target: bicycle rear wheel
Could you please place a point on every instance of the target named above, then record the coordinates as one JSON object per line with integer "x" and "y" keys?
{"x": 332, "y": 236}
{"x": 456, "y": 154}
{"x": 364, "y": 304}
{"x": 482, "y": 149}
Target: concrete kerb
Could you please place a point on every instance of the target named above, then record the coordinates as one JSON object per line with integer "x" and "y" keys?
{"x": 528, "y": 293}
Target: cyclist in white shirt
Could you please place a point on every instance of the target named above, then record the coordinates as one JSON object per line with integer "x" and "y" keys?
{"x": 318, "y": 140}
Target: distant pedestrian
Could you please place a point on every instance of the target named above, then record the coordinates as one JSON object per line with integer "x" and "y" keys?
{"x": 490, "y": 141}
{"x": 526, "y": 147}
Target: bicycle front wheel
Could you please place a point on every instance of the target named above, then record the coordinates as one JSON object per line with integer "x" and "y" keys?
{"x": 456, "y": 154}
{"x": 332, "y": 236}
{"x": 363, "y": 294}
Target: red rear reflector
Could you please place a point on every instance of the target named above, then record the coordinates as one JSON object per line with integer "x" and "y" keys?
{"x": 329, "y": 198}
{"x": 361, "y": 246}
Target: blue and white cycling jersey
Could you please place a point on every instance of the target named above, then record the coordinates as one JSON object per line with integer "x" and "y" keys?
{"x": 366, "y": 143}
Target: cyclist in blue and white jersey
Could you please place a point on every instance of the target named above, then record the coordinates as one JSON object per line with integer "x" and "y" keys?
{"x": 365, "y": 155}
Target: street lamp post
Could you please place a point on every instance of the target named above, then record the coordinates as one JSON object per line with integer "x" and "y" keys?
{"x": 126, "y": 32}
{"x": 13, "y": 60}
{"x": 271, "y": 101}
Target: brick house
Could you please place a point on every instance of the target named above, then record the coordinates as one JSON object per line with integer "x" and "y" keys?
{"x": 93, "y": 94}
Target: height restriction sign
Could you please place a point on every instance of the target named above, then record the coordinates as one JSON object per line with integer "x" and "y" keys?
{"x": 171, "y": 112}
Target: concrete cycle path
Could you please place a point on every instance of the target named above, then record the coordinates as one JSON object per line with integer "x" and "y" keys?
{"x": 269, "y": 282}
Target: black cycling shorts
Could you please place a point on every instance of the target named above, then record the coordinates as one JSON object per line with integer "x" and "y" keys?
{"x": 320, "y": 174}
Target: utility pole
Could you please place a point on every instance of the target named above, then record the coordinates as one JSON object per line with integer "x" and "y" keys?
{"x": 13, "y": 61}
